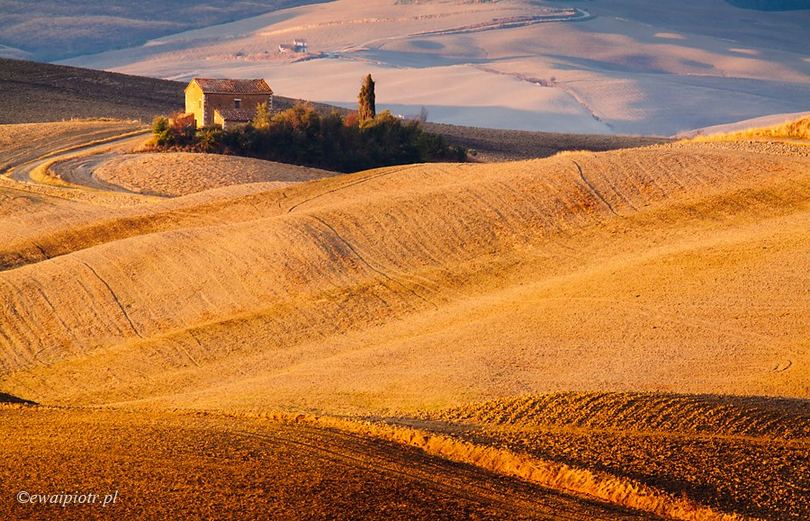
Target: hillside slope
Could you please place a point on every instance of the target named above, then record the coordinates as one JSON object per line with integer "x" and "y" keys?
{"x": 526, "y": 266}
{"x": 531, "y": 333}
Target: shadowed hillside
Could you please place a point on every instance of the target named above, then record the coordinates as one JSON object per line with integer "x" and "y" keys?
{"x": 35, "y": 92}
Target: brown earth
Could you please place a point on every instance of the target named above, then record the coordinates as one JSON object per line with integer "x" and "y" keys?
{"x": 741, "y": 454}
{"x": 202, "y": 465}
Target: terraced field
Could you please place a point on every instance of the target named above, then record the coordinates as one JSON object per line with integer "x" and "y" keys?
{"x": 375, "y": 305}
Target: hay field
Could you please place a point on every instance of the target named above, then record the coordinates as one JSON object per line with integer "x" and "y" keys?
{"x": 677, "y": 243}
{"x": 183, "y": 173}
{"x": 500, "y": 316}
{"x": 795, "y": 129}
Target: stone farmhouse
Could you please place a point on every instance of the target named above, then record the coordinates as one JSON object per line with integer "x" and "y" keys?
{"x": 227, "y": 103}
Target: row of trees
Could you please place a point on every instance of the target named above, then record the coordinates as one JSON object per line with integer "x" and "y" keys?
{"x": 302, "y": 135}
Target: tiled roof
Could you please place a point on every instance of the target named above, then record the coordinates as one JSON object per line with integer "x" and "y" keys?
{"x": 222, "y": 86}
{"x": 236, "y": 114}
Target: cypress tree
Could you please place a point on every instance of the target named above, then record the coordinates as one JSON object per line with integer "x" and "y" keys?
{"x": 366, "y": 102}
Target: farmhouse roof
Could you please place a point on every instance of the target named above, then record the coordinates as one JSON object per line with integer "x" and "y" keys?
{"x": 236, "y": 114}
{"x": 223, "y": 86}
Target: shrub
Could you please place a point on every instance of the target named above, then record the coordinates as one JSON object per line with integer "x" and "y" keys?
{"x": 303, "y": 136}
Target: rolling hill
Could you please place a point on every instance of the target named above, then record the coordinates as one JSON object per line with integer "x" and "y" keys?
{"x": 605, "y": 327}
{"x": 516, "y": 318}
{"x": 598, "y": 67}
{"x": 50, "y": 30}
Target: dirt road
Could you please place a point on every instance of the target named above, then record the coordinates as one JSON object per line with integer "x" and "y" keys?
{"x": 90, "y": 154}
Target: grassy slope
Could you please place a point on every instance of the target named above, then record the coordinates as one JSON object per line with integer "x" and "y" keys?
{"x": 798, "y": 129}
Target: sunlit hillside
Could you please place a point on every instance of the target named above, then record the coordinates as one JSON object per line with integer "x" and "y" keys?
{"x": 595, "y": 334}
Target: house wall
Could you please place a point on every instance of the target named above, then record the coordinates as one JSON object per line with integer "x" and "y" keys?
{"x": 195, "y": 103}
{"x": 219, "y": 120}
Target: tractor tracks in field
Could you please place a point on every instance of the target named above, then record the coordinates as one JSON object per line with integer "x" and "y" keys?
{"x": 594, "y": 191}
{"x": 115, "y": 298}
{"x": 350, "y": 184}
{"x": 379, "y": 270}
{"x": 400, "y": 462}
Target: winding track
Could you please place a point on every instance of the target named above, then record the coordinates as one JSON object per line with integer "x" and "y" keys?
{"x": 22, "y": 172}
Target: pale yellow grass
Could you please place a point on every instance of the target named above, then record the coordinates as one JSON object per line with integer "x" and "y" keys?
{"x": 182, "y": 173}
{"x": 644, "y": 272}
{"x": 798, "y": 129}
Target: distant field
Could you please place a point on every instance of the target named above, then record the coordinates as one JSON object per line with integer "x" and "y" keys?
{"x": 52, "y": 29}
{"x": 771, "y": 5}
{"x": 617, "y": 67}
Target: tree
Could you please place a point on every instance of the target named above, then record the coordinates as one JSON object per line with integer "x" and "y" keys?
{"x": 366, "y": 102}
{"x": 423, "y": 115}
{"x": 262, "y": 118}
{"x": 161, "y": 131}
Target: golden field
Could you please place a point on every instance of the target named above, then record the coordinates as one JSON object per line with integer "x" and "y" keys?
{"x": 798, "y": 129}
{"x": 191, "y": 173}
{"x": 595, "y": 335}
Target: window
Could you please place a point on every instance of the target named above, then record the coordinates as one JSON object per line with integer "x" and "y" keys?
{"x": 237, "y": 103}
{"x": 200, "y": 103}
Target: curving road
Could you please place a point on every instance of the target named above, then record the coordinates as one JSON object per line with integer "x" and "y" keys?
{"x": 87, "y": 156}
